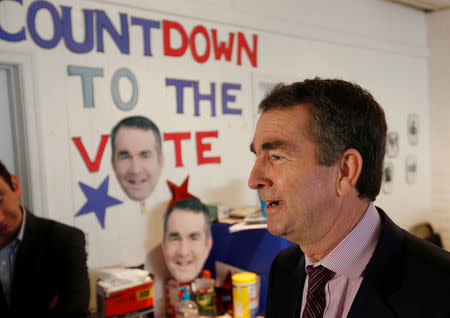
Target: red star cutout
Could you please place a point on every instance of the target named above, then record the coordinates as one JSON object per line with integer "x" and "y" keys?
{"x": 179, "y": 192}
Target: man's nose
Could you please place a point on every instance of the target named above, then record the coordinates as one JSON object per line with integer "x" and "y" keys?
{"x": 258, "y": 179}
{"x": 135, "y": 166}
{"x": 184, "y": 248}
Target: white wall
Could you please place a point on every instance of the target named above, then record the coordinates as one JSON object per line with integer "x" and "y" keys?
{"x": 439, "y": 86}
{"x": 379, "y": 45}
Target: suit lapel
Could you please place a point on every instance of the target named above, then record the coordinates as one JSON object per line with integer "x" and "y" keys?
{"x": 29, "y": 250}
{"x": 300, "y": 282}
{"x": 382, "y": 275}
{"x": 294, "y": 287}
{"x": 3, "y": 305}
{"x": 370, "y": 303}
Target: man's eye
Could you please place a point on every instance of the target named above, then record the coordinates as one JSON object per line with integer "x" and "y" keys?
{"x": 124, "y": 157}
{"x": 194, "y": 237}
{"x": 275, "y": 157}
{"x": 173, "y": 237}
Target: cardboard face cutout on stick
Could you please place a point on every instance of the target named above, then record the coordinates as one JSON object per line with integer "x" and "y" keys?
{"x": 187, "y": 240}
{"x": 137, "y": 159}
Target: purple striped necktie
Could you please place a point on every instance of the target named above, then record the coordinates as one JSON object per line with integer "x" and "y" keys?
{"x": 315, "y": 297}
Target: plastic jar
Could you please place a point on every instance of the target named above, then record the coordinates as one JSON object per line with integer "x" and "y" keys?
{"x": 245, "y": 295}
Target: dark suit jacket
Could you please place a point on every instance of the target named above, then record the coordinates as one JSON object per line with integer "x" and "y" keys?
{"x": 50, "y": 277}
{"x": 406, "y": 277}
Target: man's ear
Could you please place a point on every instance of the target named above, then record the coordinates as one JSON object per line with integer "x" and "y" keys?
{"x": 350, "y": 166}
{"x": 17, "y": 188}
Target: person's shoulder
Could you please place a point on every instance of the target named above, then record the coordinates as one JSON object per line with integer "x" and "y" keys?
{"x": 423, "y": 255}
{"x": 425, "y": 274}
{"x": 414, "y": 254}
{"x": 55, "y": 228}
{"x": 416, "y": 251}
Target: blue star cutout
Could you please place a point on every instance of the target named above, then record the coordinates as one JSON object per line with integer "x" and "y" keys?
{"x": 97, "y": 200}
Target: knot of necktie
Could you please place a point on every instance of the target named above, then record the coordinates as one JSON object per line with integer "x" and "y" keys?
{"x": 315, "y": 299}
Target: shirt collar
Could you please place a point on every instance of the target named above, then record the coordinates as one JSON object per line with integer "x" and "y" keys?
{"x": 22, "y": 226}
{"x": 351, "y": 256}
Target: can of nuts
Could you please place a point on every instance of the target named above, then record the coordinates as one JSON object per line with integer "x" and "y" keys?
{"x": 245, "y": 295}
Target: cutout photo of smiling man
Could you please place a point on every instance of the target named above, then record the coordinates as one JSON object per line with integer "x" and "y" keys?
{"x": 137, "y": 157}
{"x": 319, "y": 147}
{"x": 187, "y": 239}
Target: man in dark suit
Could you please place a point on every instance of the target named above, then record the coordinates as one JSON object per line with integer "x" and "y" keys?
{"x": 43, "y": 270}
{"x": 319, "y": 147}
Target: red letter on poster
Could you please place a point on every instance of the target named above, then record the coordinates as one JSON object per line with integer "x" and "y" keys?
{"x": 200, "y": 29}
{"x": 167, "y": 27}
{"x": 220, "y": 48}
{"x": 201, "y": 147}
{"x": 92, "y": 166}
{"x": 252, "y": 56}
{"x": 177, "y": 138}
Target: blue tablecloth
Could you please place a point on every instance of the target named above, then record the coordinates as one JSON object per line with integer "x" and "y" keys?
{"x": 251, "y": 250}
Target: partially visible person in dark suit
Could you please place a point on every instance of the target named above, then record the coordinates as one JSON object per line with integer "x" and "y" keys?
{"x": 43, "y": 271}
{"x": 319, "y": 147}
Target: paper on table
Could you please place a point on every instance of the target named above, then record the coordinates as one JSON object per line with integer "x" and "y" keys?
{"x": 113, "y": 279}
{"x": 242, "y": 226}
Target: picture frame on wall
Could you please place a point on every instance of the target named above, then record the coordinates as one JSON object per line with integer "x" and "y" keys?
{"x": 392, "y": 144}
{"x": 411, "y": 169}
{"x": 388, "y": 177}
{"x": 413, "y": 129}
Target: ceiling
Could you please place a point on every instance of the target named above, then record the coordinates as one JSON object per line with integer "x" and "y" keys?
{"x": 425, "y": 5}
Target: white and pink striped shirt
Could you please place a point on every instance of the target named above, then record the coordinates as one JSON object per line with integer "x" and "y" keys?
{"x": 348, "y": 260}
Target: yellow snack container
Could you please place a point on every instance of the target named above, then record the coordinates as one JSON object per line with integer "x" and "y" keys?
{"x": 245, "y": 294}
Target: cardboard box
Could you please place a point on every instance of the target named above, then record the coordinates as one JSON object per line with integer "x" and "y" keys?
{"x": 136, "y": 301}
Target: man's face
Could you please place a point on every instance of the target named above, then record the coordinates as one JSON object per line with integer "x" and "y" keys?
{"x": 136, "y": 161}
{"x": 186, "y": 246}
{"x": 300, "y": 194}
{"x": 10, "y": 211}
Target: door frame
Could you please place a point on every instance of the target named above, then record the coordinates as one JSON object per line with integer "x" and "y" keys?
{"x": 25, "y": 129}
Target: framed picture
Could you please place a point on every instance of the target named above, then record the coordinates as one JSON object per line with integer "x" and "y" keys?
{"x": 413, "y": 129}
{"x": 388, "y": 177}
{"x": 411, "y": 169}
{"x": 392, "y": 144}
